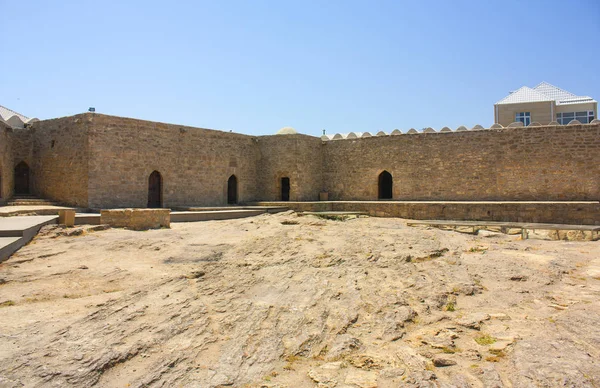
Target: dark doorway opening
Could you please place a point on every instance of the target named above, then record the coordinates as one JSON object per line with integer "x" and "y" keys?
{"x": 385, "y": 185}
{"x": 22, "y": 178}
{"x": 155, "y": 190}
{"x": 232, "y": 195}
{"x": 285, "y": 189}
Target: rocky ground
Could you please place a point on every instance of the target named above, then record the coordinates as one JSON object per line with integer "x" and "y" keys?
{"x": 288, "y": 301}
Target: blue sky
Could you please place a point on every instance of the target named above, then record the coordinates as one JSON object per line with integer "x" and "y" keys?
{"x": 256, "y": 66}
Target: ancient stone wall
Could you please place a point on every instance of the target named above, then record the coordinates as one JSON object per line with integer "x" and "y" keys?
{"x": 22, "y": 145}
{"x": 105, "y": 162}
{"x": 528, "y": 163}
{"x": 195, "y": 164}
{"x": 297, "y": 157}
{"x": 6, "y": 163}
{"x": 22, "y": 150}
{"x": 59, "y": 165}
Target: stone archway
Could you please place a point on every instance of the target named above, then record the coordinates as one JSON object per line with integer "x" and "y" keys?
{"x": 155, "y": 190}
{"x": 232, "y": 190}
{"x": 385, "y": 185}
{"x": 22, "y": 178}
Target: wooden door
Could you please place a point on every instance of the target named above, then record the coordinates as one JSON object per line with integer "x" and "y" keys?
{"x": 155, "y": 190}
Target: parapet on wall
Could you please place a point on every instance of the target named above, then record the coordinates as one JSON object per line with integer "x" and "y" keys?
{"x": 517, "y": 163}
{"x": 412, "y": 131}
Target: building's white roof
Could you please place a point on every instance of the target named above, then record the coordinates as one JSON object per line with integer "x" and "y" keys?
{"x": 13, "y": 118}
{"x": 553, "y": 92}
{"x": 524, "y": 94}
{"x": 544, "y": 92}
{"x": 6, "y": 114}
{"x": 576, "y": 100}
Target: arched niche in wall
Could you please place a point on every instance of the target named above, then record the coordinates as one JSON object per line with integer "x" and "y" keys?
{"x": 155, "y": 188}
{"x": 385, "y": 185}
{"x": 22, "y": 178}
{"x": 285, "y": 188}
{"x": 232, "y": 190}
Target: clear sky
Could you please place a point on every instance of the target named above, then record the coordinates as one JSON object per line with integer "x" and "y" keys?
{"x": 256, "y": 66}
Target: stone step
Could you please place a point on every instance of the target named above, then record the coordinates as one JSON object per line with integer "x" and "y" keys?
{"x": 268, "y": 209}
{"x": 214, "y": 215}
{"x": 30, "y": 202}
{"x": 9, "y": 245}
{"x": 16, "y": 204}
{"x": 192, "y": 216}
{"x": 19, "y": 230}
{"x": 15, "y": 198}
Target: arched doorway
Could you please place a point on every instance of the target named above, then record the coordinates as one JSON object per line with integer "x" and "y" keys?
{"x": 232, "y": 192}
{"x": 22, "y": 178}
{"x": 285, "y": 189}
{"x": 155, "y": 190}
{"x": 385, "y": 185}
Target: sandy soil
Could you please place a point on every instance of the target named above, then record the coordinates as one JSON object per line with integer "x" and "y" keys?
{"x": 288, "y": 301}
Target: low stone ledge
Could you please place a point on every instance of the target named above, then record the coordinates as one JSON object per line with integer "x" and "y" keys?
{"x": 555, "y": 212}
{"x": 136, "y": 219}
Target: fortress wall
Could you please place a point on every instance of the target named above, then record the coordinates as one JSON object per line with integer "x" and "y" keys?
{"x": 194, "y": 163}
{"x": 527, "y": 163}
{"x": 22, "y": 146}
{"x": 298, "y": 157}
{"x": 6, "y": 163}
{"x": 59, "y": 167}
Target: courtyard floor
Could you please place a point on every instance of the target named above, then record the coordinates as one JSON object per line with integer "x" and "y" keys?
{"x": 287, "y": 301}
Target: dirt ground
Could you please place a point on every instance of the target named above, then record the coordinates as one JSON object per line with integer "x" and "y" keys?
{"x": 288, "y": 301}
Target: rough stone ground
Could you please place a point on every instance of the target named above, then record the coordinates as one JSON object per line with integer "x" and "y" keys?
{"x": 287, "y": 301}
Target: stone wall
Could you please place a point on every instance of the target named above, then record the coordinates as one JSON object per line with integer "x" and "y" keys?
{"x": 195, "y": 164}
{"x": 528, "y": 163}
{"x": 22, "y": 146}
{"x": 104, "y": 161}
{"x": 298, "y": 157}
{"x": 22, "y": 151}
{"x": 6, "y": 163}
{"x": 60, "y": 160}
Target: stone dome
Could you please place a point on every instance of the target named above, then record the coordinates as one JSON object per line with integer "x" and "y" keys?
{"x": 287, "y": 131}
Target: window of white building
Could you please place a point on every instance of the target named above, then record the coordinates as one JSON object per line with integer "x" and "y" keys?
{"x": 583, "y": 117}
{"x": 524, "y": 117}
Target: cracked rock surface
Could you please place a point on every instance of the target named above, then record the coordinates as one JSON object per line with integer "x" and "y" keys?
{"x": 288, "y": 301}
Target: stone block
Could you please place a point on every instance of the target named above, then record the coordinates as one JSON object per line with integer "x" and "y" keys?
{"x": 66, "y": 217}
{"x": 323, "y": 196}
{"x": 136, "y": 219}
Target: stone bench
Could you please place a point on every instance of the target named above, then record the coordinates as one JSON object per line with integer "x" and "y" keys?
{"x": 136, "y": 219}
